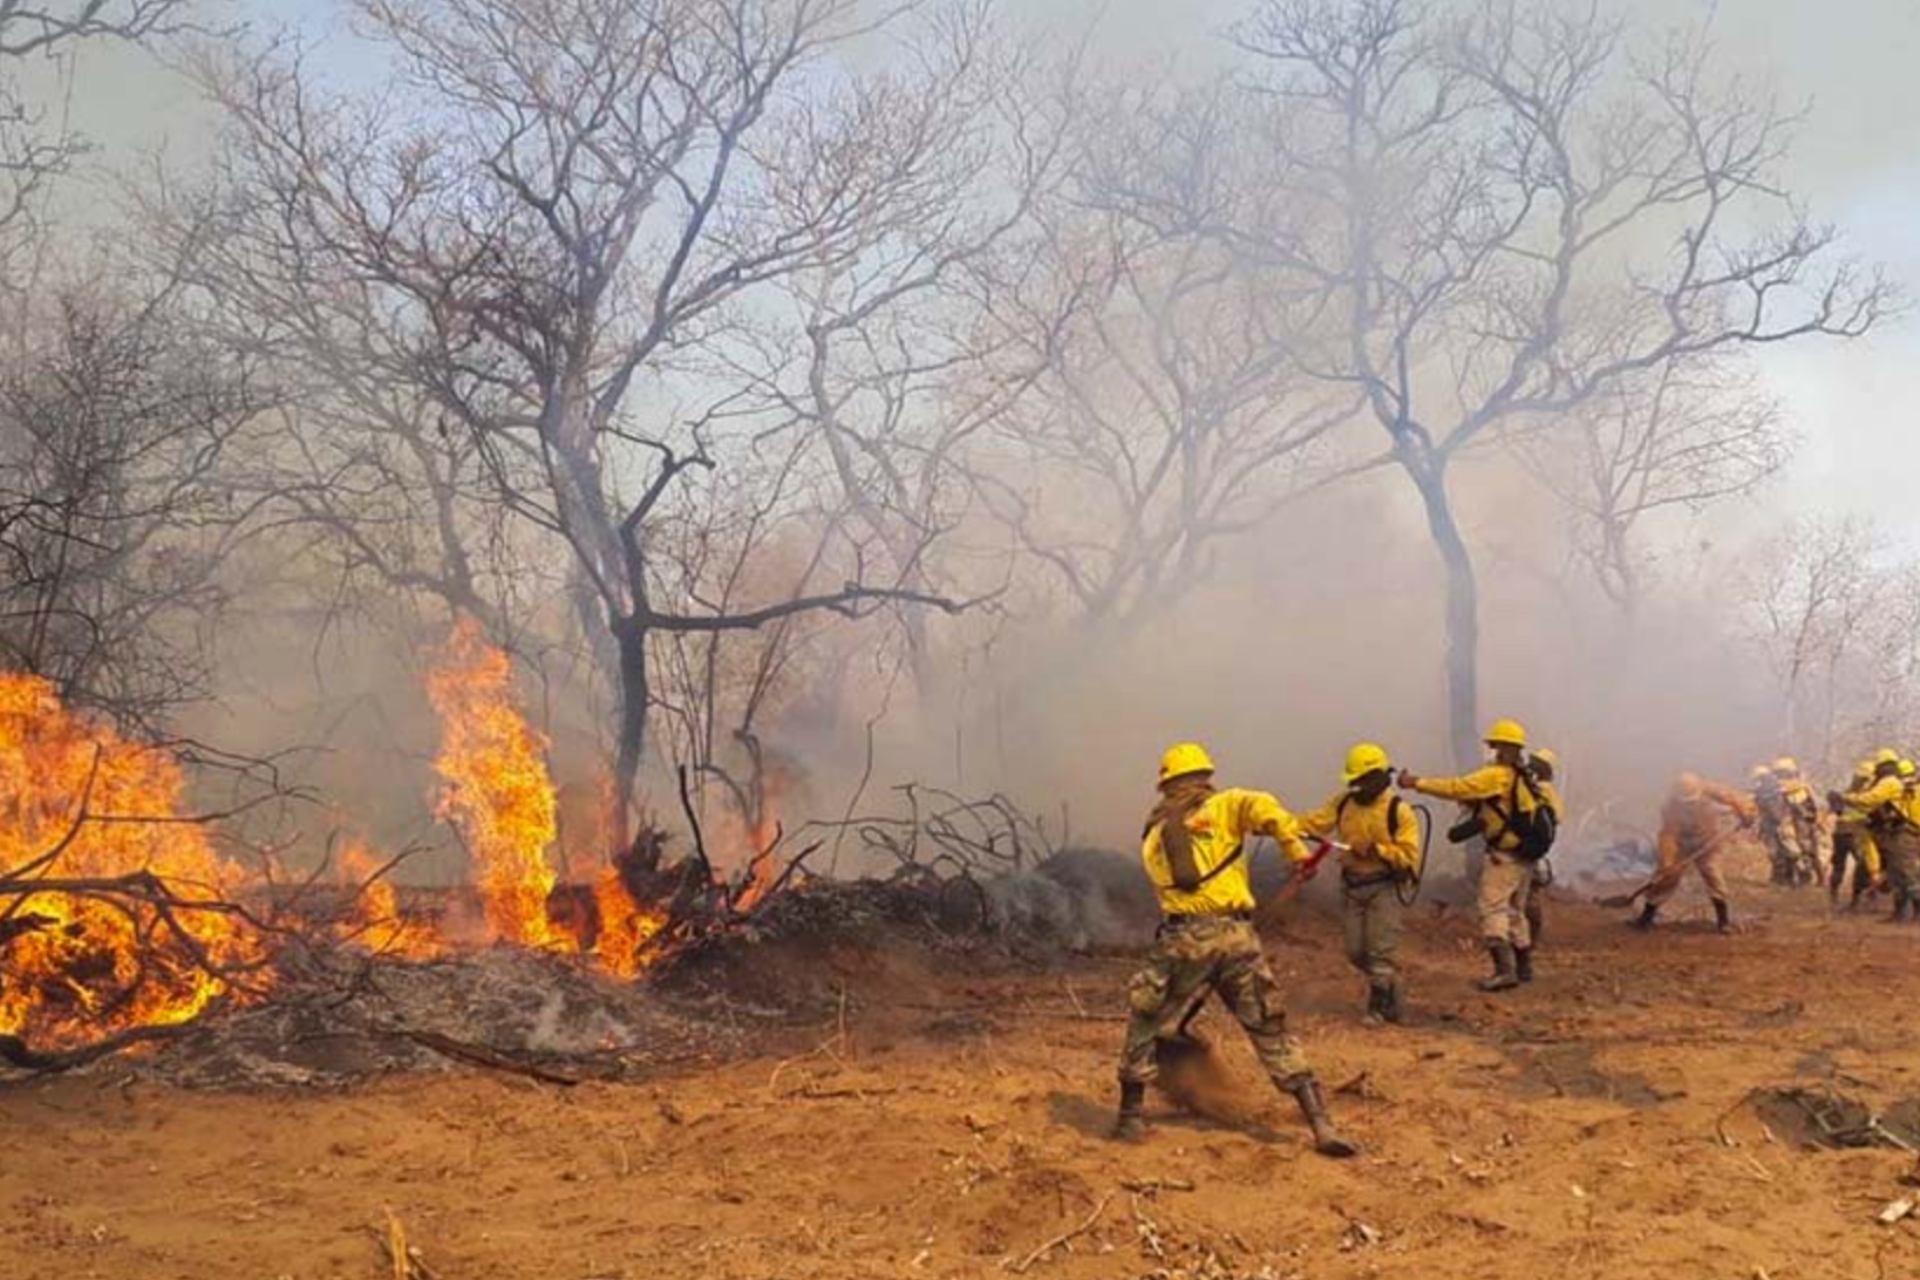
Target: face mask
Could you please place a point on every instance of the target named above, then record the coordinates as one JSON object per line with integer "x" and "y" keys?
{"x": 1368, "y": 789}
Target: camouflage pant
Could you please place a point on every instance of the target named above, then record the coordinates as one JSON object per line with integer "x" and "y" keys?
{"x": 1189, "y": 961}
{"x": 1901, "y": 855}
{"x": 1371, "y": 913}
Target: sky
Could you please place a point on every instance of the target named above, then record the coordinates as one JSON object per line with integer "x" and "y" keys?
{"x": 1856, "y": 162}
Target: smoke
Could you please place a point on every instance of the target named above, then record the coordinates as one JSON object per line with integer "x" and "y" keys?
{"x": 1319, "y": 627}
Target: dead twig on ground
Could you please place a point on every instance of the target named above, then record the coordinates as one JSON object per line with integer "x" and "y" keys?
{"x": 1021, "y": 1267}
{"x": 481, "y": 1056}
{"x": 15, "y": 1052}
{"x": 403, "y": 1258}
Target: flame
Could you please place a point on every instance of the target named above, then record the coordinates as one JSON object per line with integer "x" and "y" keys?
{"x": 626, "y": 929}
{"x": 498, "y": 793}
{"x": 749, "y": 842}
{"x": 75, "y": 967}
{"x": 88, "y": 967}
{"x": 501, "y": 796}
{"x": 377, "y": 923}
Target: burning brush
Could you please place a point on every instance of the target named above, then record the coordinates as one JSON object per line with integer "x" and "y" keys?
{"x": 120, "y": 920}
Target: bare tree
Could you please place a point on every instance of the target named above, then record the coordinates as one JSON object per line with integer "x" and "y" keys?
{"x": 38, "y": 28}
{"x": 1170, "y": 414}
{"x": 1679, "y": 437}
{"x": 1514, "y": 213}
{"x": 113, "y": 422}
{"x": 567, "y": 216}
{"x": 113, "y": 526}
{"x": 1815, "y": 592}
{"x": 35, "y": 152}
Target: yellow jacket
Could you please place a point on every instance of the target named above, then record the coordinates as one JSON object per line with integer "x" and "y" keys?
{"x": 1219, "y": 825}
{"x": 1374, "y": 850}
{"x": 1883, "y": 791}
{"x": 1852, "y": 822}
{"x": 1489, "y": 787}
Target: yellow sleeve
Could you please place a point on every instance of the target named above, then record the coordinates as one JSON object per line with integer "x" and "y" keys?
{"x": 1490, "y": 783}
{"x": 1402, "y": 849}
{"x": 1885, "y": 791}
{"x": 1322, "y": 821}
{"x": 1261, "y": 813}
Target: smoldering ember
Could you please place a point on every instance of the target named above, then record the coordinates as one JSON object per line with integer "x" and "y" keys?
{"x": 1236, "y": 640}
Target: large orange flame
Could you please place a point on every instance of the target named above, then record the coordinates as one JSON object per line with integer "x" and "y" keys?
{"x": 498, "y": 793}
{"x": 501, "y": 796}
{"x": 75, "y": 965}
{"x": 87, "y": 966}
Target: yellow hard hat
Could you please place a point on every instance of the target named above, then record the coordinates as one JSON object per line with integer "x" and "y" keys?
{"x": 1184, "y": 758}
{"x": 1786, "y": 766}
{"x": 1761, "y": 771}
{"x": 1506, "y": 733}
{"x": 1885, "y": 755}
{"x": 1365, "y": 758}
{"x": 1906, "y": 769}
{"x": 1548, "y": 757}
{"x": 1689, "y": 786}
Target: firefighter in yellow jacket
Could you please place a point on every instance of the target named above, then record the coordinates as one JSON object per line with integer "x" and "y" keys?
{"x": 1897, "y": 833}
{"x": 1802, "y": 814}
{"x": 1877, "y": 807}
{"x": 1500, "y": 794}
{"x": 1194, "y": 851}
{"x": 1380, "y": 852}
{"x": 1853, "y": 841}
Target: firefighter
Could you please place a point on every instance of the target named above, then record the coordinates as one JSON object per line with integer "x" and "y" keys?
{"x": 1193, "y": 848}
{"x": 1504, "y": 801}
{"x": 1802, "y": 812}
{"x": 1853, "y": 841}
{"x": 1897, "y": 832}
{"x": 1691, "y": 835}
{"x": 1544, "y": 766}
{"x": 1381, "y": 853}
{"x": 1876, "y": 807}
{"x": 1770, "y": 804}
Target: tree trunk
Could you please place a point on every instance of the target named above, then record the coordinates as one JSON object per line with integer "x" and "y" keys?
{"x": 635, "y": 697}
{"x": 1463, "y": 610}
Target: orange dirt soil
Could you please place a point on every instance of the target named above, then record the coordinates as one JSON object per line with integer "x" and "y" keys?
{"x": 951, "y": 1125}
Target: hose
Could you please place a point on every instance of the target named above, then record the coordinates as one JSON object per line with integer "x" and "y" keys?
{"x": 1408, "y": 890}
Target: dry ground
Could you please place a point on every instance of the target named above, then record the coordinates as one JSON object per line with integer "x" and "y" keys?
{"x": 950, "y": 1125}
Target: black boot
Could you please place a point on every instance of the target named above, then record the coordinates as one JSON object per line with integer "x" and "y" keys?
{"x": 1130, "y": 1126}
{"x": 1390, "y": 1006}
{"x": 1376, "y": 1004}
{"x": 1722, "y": 919}
{"x": 1313, "y": 1105}
{"x": 1523, "y": 963}
{"x": 1503, "y": 978}
{"x": 1645, "y": 919}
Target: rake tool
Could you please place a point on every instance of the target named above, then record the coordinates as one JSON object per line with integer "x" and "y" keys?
{"x": 1660, "y": 877}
